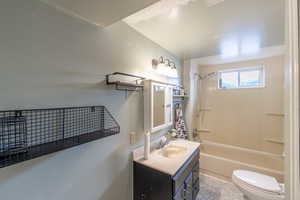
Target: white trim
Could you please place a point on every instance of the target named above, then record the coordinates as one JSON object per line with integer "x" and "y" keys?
{"x": 149, "y": 102}
{"x": 292, "y": 104}
{"x": 263, "y": 53}
{"x": 165, "y": 125}
{"x": 260, "y": 68}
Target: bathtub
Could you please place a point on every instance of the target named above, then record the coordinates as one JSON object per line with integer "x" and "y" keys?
{"x": 221, "y": 160}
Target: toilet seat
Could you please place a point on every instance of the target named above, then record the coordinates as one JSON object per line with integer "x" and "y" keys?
{"x": 257, "y": 181}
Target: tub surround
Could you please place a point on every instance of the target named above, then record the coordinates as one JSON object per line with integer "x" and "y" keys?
{"x": 167, "y": 165}
{"x": 243, "y": 128}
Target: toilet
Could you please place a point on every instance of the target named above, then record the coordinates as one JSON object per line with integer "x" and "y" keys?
{"x": 256, "y": 186}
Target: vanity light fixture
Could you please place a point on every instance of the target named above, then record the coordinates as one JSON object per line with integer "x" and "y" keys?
{"x": 165, "y": 67}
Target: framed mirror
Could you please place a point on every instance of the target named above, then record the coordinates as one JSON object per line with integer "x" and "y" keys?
{"x": 159, "y": 102}
{"x": 158, "y": 105}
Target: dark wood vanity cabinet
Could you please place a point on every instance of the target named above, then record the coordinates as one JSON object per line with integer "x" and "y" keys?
{"x": 151, "y": 184}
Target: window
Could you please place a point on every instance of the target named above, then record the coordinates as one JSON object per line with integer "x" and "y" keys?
{"x": 242, "y": 78}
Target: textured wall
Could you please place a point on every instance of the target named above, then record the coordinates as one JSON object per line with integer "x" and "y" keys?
{"x": 48, "y": 59}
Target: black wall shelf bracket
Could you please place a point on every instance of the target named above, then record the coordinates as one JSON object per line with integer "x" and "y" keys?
{"x": 27, "y": 134}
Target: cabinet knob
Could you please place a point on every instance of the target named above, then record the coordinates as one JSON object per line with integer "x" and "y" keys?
{"x": 143, "y": 196}
{"x": 184, "y": 193}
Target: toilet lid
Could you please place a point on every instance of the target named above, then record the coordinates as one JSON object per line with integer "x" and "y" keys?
{"x": 261, "y": 181}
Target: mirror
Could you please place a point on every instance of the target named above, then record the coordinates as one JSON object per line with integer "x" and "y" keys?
{"x": 158, "y": 105}
{"x": 168, "y": 108}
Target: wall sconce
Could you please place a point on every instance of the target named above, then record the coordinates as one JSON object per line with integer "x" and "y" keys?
{"x": 165, "y": 67}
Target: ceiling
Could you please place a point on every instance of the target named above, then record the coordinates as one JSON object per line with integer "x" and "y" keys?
{"x": 100, "y": 12}
{"x": 200, "y": 28}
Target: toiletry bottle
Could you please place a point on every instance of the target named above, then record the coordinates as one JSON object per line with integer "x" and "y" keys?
{"x": 147, "y": 145}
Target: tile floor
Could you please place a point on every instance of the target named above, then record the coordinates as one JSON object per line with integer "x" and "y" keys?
{"x": 215, "y": 189}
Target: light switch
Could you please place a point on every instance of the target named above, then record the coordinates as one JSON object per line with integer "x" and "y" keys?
{"x": 132, "y": 136}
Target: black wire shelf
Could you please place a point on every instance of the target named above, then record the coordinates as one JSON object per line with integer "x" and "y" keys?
{"x": 27, "y": 134}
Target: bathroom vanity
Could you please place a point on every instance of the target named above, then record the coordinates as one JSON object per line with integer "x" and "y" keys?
{"x": 170, "y": 173}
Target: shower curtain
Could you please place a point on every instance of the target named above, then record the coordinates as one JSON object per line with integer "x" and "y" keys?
{"x": 180, "y": 124}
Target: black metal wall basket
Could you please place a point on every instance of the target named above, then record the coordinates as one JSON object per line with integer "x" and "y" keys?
{"x": 27, "y": 134}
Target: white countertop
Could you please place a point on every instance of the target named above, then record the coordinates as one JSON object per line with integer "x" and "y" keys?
{"x": 169, "y": 165}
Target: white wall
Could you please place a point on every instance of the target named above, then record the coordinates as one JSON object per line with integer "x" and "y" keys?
{"x": 48, "y": 59}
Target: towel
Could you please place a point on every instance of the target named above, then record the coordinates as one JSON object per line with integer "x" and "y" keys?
{"x": 179, "y": 122}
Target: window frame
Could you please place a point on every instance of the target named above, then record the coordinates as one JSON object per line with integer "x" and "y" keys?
{"x": 262, "y": 77}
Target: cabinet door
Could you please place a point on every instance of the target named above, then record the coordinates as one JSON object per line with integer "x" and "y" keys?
{"x": 180, "y": 193}
{"x": 196, "y": 172}
{"x": 189, "y": 187}
{"x": 196, "y": 189}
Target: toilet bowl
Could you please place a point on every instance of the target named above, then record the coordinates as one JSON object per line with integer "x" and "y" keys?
{"x": 257, "y": 186}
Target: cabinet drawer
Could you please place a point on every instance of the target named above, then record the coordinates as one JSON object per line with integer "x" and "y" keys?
{"x": 187, "y": 168}
{"x": 196, "y": 171}
{"x": 186, "y": 190}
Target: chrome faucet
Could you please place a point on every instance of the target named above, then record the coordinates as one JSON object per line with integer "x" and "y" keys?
{"x": 163, "y": 143}
{"x": 165, "y": 140}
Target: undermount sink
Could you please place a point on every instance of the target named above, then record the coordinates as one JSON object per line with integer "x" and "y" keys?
{"x": 172, "y": 151}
